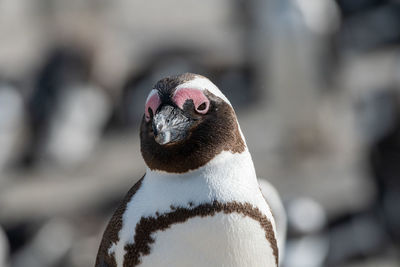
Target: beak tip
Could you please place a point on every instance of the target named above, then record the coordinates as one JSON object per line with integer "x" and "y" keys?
{"x": 163, "y": 137}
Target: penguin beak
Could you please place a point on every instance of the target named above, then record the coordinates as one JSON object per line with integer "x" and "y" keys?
{"x": 170, "y": 125}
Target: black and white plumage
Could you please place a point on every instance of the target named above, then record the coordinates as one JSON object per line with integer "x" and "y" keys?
{"x": 199, "y": 203}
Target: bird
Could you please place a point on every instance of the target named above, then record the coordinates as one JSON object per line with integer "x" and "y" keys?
{"x": 199, "y": 202}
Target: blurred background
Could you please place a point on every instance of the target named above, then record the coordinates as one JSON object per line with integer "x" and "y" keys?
{"x": 315, "y": 84}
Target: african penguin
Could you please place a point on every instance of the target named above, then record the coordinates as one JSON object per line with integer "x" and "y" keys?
{"x": 199, "y": 203}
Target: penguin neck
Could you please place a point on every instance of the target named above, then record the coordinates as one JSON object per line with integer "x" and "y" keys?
{"x": 225, "y": 167}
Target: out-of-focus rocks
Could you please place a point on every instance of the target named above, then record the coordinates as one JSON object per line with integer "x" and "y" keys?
{"x": 48, "y": 247}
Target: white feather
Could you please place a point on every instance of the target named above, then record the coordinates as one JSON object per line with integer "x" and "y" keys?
{"x": 228, "y": 177}
{"x": 278, "y": 210}
{"x": 202, "y": 83}
{"x": 222, "y": 240}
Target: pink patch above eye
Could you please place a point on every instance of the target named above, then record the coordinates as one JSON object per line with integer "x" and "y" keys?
{"x": 200, "y": 101}
{"x": 153, "y": 103}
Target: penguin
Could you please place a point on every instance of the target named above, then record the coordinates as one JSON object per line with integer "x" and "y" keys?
{"x": 199, "y": 202}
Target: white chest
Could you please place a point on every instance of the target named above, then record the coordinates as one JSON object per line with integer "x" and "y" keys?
{"x": 227, "y": 239}
{"x": 220, "y": 240}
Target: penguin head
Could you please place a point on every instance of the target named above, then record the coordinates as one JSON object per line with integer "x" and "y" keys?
{"x": 187, "y": 122}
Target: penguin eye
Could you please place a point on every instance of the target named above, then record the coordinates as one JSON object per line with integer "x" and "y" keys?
{"x": 152, "y": 103}
{"x": 200, "y": 101}
{"x": 203, "y": 106}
